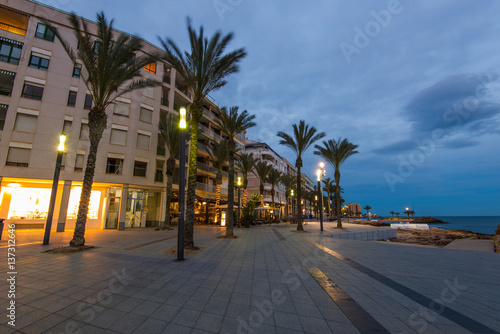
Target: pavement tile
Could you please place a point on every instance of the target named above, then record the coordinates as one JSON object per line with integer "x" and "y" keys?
{"x": 313, "y": 325}
{"x": 128, "y": 323}
{"x": 151, "y": 326}
{"x": 287, "y": 320}
{"x": 177, "y": 329}
{"x": 165, "y": 312}
{"x": 186, "y": 317}
{"x": 146, "y": 308}
{"x": 41, "y": 325}
{"x": 209, "y": 322}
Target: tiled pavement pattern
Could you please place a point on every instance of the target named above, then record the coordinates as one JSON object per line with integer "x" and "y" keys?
{"x": 258, "y": 283}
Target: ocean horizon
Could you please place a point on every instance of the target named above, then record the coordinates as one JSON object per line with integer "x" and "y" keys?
{"x": 477, "y": 224}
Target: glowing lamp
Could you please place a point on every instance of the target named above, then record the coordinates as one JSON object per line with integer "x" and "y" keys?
{"x": 62, "y": 140}
{"x": 182, "y": 123}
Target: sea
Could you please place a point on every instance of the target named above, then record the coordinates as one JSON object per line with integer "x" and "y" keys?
{"x": 477, "y": 224}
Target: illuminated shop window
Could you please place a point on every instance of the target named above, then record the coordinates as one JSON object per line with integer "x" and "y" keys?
{"x": 74, "y": 201}
{"x": 29, "y": 203}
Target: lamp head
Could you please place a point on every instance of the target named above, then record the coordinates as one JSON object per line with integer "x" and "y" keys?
{"x": 318, "y": 174}
{"x": 322, "y": 165}
{"x": 239, "y": 181}
{"x": 62, "y": 140}
{"x": 182, "y": 113}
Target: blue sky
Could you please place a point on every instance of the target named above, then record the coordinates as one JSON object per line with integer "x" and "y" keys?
{"x": 414, "y": 83}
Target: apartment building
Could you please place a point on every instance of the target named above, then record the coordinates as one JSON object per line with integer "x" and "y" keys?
{"x": 42, "y": 96}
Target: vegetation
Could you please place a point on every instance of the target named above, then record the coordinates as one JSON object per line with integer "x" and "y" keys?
{"x": 288, "y": 181}
{"x": 170, "y": 132}
{"x": 336, "y": 152}
{"x": 249, "y": 214}
{"x": 110, "y": 69}
{"x": 246, "y": 163}
{"x": 219, "y": 155}
{"x": 262, "y": 170}
{"x": 330, "y": 189}
{"x": 303, "y": 137}
{"x": 367, "y": 208}
{"x": 274, "y": 178}
{"x": 233, "y": 123}
{"x": 204, "y": 68}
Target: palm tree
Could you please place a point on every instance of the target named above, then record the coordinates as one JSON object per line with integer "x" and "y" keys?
{"x": 340, "y": 200}
{"x": 288, "y": 181}
{"x": 219, "y": 155}
{"x": 412, "y": 213}
{"x": 262, "y": 170}
{"x": 246, "y": 163}
{"x": 303, "y": 137}
{"x": 336, "y": 153}
{"x": 170, "y": 131}
{"x": 392, "y": 213}
{"x": 367, "y": 208}
{"x": 274, "y": 178}
{"x": 407, "y": 212}
{"x": 330, "y": 189}
{"x": 110, "y": 70}
{"x": 397, "y": 214}
{"x": 204, "y": 69}
{"x": 233, "y": 123}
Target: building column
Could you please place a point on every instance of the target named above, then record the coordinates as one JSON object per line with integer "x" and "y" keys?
{"x": 163, "y": 206}
{"x": 123, "y": 208}
{"x": 63, "y": 209}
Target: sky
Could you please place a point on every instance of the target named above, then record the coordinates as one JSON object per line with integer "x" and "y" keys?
{"x": 415, "y": 84}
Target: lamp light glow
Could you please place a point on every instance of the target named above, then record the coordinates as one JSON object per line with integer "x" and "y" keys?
{"x": 318, "y": 174}
{"x": 62, "y": 140}
{"x": 182, "y": 122}
{"x": 239, "y": 181}
{"x": 321, "y": 165}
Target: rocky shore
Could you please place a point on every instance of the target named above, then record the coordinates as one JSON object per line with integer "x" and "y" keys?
{"x": 417, "y": 220}
{"x": 435, "y": 236}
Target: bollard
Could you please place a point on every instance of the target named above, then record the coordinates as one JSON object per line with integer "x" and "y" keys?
{"x": 1, "y": 227}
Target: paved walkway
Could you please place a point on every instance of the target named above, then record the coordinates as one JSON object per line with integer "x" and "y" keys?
{"x": 269, "y": 280}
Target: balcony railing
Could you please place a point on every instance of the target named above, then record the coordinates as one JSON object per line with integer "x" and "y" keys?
{"x": 203, "y": 166}
{"x": 13, "y": 29}
{"x": 166, "y": 78}
{"x": 164, "y": 102}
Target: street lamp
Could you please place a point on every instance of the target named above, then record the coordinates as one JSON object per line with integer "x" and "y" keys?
{"x": 320, "y": 173}
{"x": 182, "y": 182}
{"x": 50, "y": 213}
{"x": 238, "y": 184}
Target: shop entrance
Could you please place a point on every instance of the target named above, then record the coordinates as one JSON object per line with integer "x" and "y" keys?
{"x": 135, "y": 215}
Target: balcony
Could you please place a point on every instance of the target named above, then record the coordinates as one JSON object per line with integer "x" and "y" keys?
{"x": 205, "y": 167}
{"x": 164, "y": 102}
{"x": 166, "y": 78}
{"x": 205, "y": 187}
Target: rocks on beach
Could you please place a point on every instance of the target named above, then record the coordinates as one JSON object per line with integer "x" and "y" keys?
{"x": 435, "y": 236}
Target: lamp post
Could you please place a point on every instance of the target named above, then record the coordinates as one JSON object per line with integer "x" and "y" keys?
{"x": 320, "y": 173}
{"x": 182, "y": 182}
{"x": 50, "y": 213}
{"x": 238, "y": 184}
{"x": 291, "y": 194}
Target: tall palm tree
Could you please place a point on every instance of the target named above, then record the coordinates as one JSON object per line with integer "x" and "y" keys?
{"x": 367, "y": 208}
{"x": 397, "y": 214}
{"x": 219, "y": 155}
{"x": 303, "y": 137}
{"x": 330, "y": 189}
{"x": 274, "y": 178}
{"x": 170, "y": 131}
{"x": 288, "y": 181}
{"x": 407, "y": 212}
{"x": 392, "y": 213}
{"x": 233, "y": 123}
{"x": 204, "y": 69}
{"x": 336, "y": 152}
{"x": 246, "y": 163}
{"x": 262, "y": 170}
{"x": 110, "y": 70}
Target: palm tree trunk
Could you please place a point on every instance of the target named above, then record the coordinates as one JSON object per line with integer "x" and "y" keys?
{"x": 170, "y": 178}
{"x": 337, "y": 195}
{"x": 196, "y": 113}
{"x": 244, "y": 199}
{"x": 299, "y": 198}
{"x": 217, "y": 202}
{"x": 272, "y": 200}
{"x": 97, "y": 124}
{"x": 230, "y": 191}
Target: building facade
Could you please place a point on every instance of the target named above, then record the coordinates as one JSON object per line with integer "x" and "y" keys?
{"x": 42, "y": 95}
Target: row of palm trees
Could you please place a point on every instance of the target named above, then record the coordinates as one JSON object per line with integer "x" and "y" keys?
{"x": 112, "y": 67}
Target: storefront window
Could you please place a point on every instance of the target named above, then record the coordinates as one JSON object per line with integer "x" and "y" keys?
{"x": 29, "y": 203}
{"x": 74, "y": 201}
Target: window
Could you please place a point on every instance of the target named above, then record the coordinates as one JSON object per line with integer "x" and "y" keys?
{"x": 76, "y": 70}
{"x": 3, "y": 115}
{"x": 6, "y": 82}
{"x": 149, "y": 92}
{"x": 140, "y": 168}
{"x": 121, "y": 108}
{"x": 43, "y": 32}
{"x": 97, "y": 44}
{"x": 146, "y": 115}
{"x": 18, "y": 157}
{"x": 25, "y": 122}
{"x": 72, "y": 98}
{"x": 160, "y": 148}
{"x": 159, "y": 171}
{"x": 67, "y": 127}
{"x": 84, "y": 132}
{"x": 79, "y": 163}
{"x": 114, "y": 166}
{"x": 88, "y": 102}
{"x": 143, "y": 141}
{"x": 118, "y": 137}
{"x": 39, "y": 62}
{"x": 151, "y": 68}
{"x": 10, "y": 52}
{"x": 31, "y": 91}
{"x": 63, "y": 160}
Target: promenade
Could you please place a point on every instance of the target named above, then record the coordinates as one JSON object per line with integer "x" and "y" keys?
{"x": 269, "y": 280}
